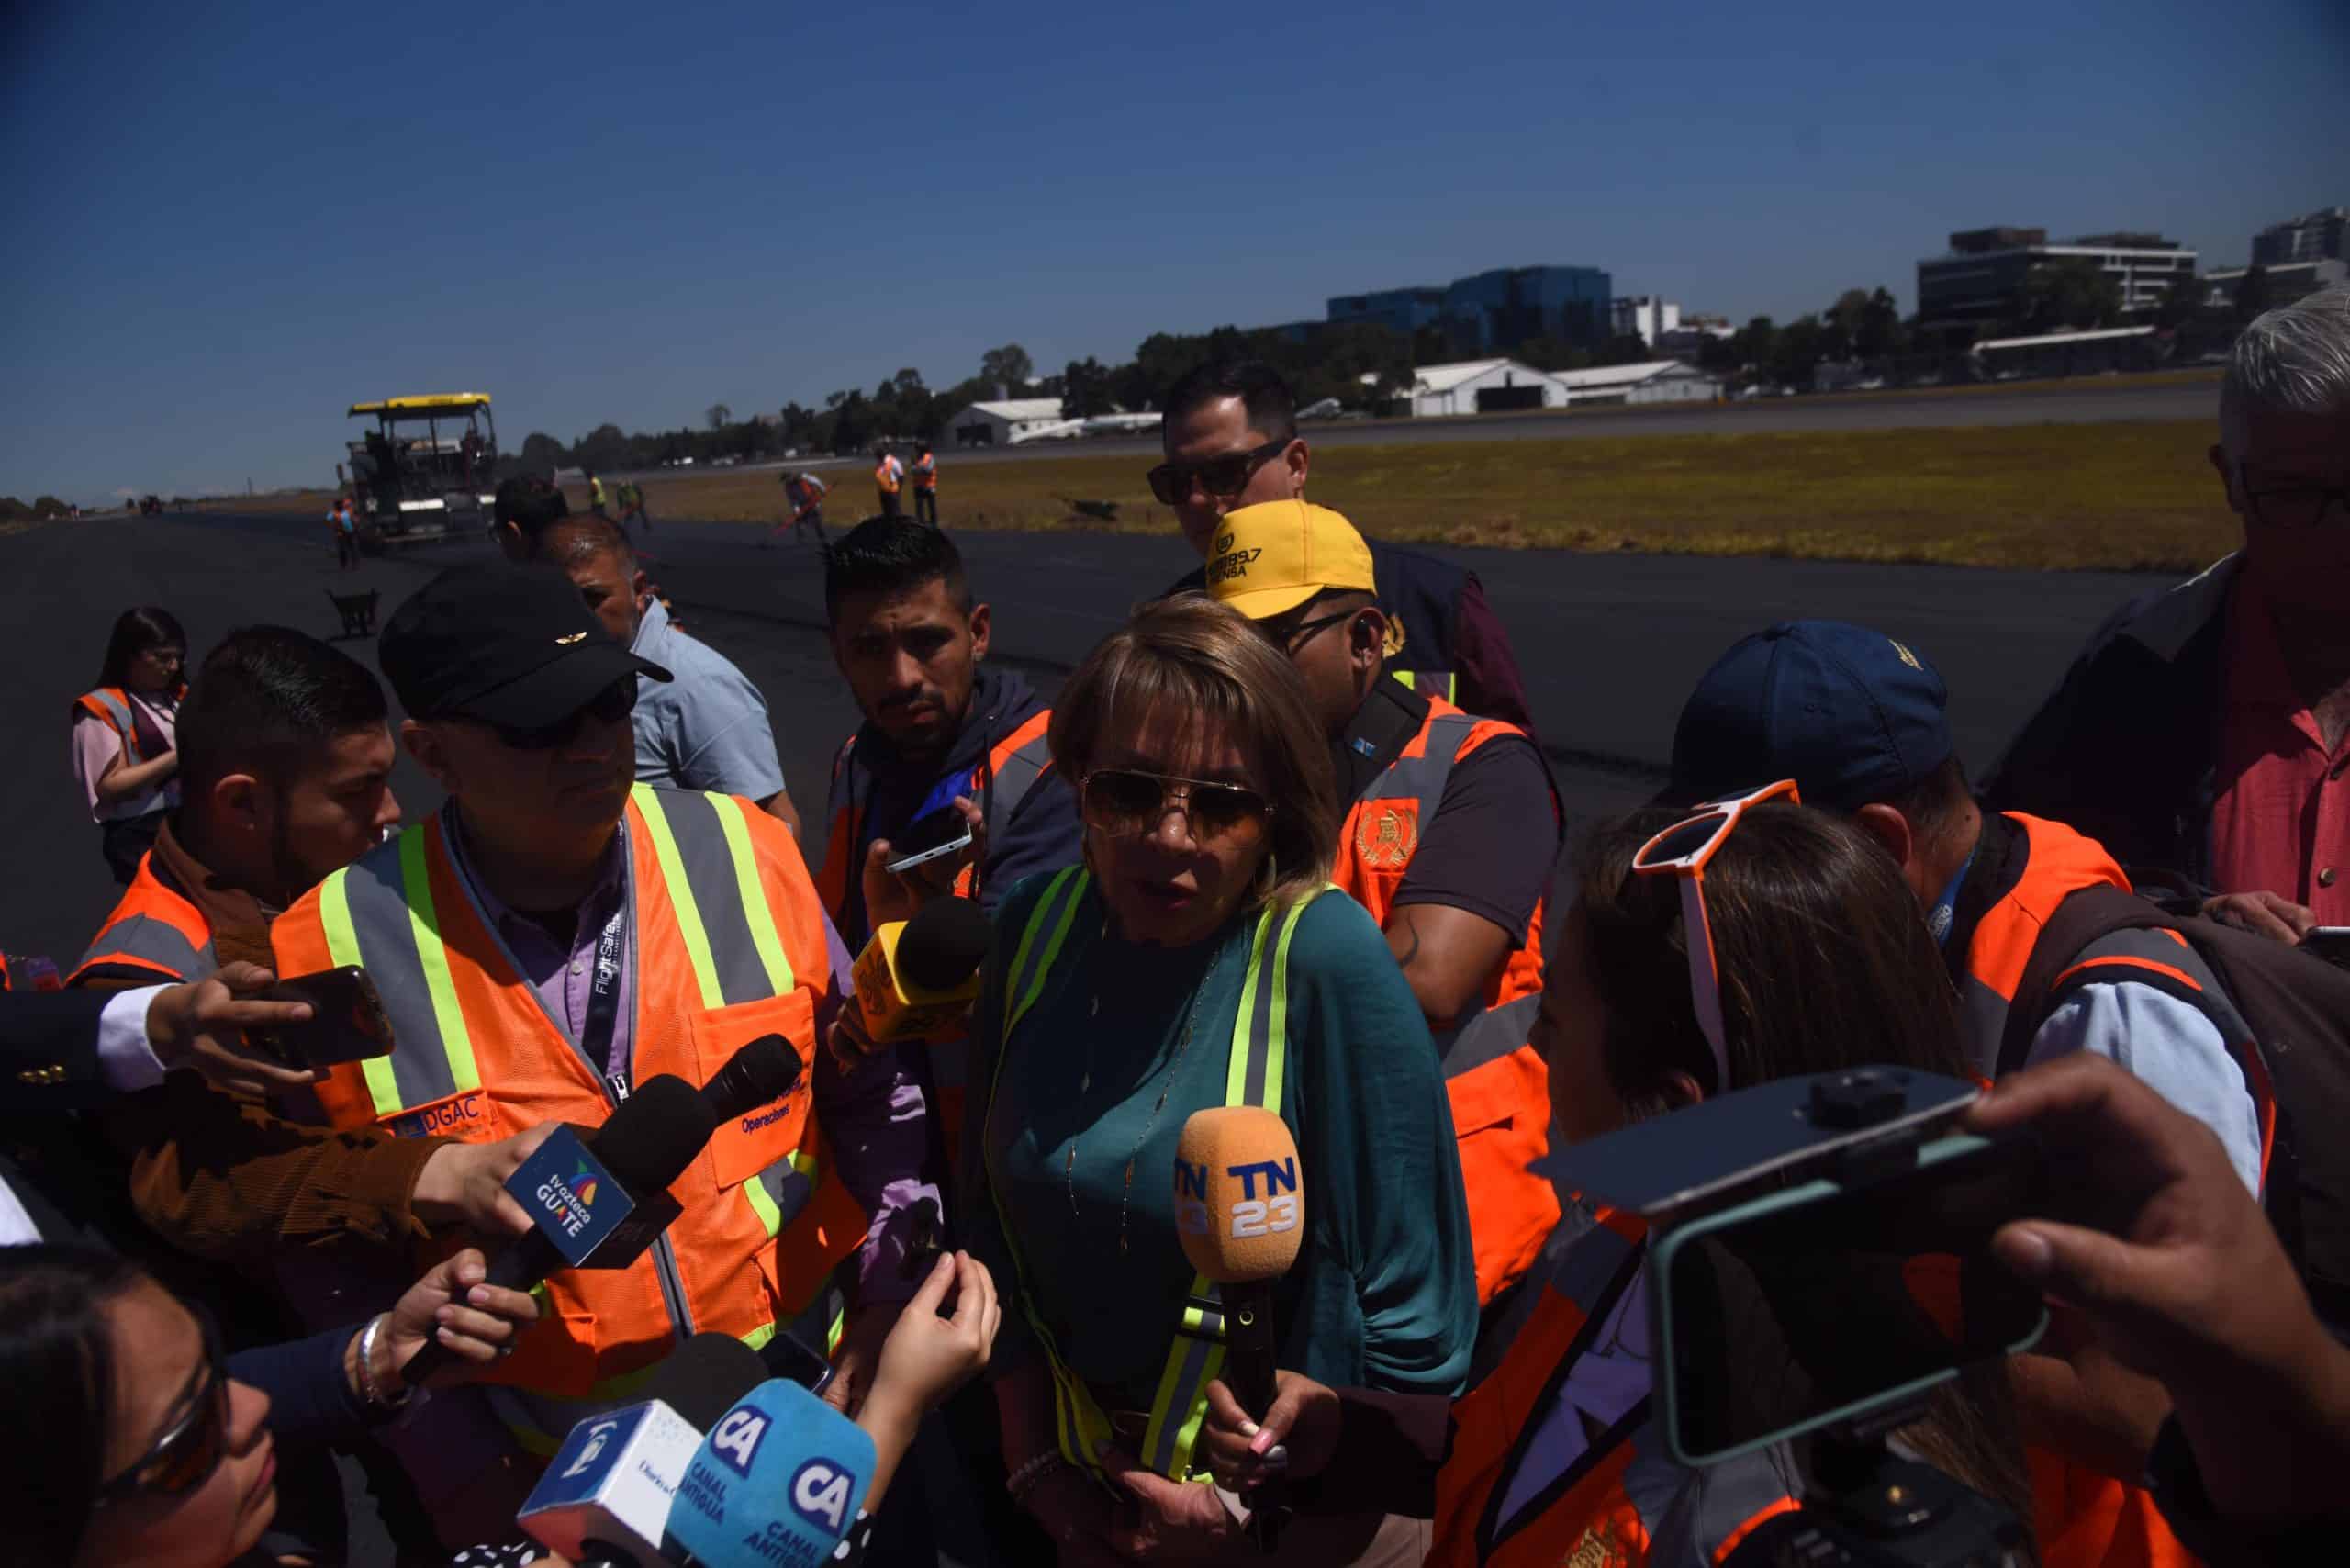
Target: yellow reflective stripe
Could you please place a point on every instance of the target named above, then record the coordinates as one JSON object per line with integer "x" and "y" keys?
{"x": 1035, "y": 987}
{"x": 342, "y": 946}
{"x": 681, "y": 896}
{"x": 1235, "y": 1069}
{"x": 1277, "y": 1027}
{"x": 1404, "y": 677}
{"x": 755, "y": 908}
{"x": 1184, "y": 1399}
{"x": 757, "y": 1337}
{"x": 763, "y": 1205}
{"x": 432, "y": 958}
{"x": 833, "y": 1334}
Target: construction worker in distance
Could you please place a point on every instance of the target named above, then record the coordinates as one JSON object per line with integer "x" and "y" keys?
{"x": 804, "y": 494}
{"x": 557, "y": 934}
{"x": 346, "y": 534}
{"x": 889, "y": 478}
{"x": 1452, "y": 825}
{"x": 595, "y": 494}
{"x": 925, "y": 485}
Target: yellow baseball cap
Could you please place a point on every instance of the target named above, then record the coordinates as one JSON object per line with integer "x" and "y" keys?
{"x": 1272, "y": 557}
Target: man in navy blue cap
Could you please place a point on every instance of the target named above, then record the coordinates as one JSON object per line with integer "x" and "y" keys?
{"x": 1859, "y": 722}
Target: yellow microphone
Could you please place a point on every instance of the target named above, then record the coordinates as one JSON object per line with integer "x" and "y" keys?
{"x": 1240, "y": 1213}
{"x": 917, "y": 979}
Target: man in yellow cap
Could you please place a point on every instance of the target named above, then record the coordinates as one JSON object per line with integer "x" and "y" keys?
{"x": 1449, "y": 842}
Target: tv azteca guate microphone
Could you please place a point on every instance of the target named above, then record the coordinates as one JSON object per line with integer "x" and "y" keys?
{"x": 1240, "y": 1213}
{"x": 606, "y": 1494}
{"x": 778, "y": 1480}
{"x": 917, "y": 979}
{"x": 599, "y": 1200}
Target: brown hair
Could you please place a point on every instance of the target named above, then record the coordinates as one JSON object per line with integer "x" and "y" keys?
{"x": 1190, "y": 654}
{"x": 1825, "y": 963}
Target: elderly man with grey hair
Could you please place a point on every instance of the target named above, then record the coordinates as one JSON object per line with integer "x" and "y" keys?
{"x": 2204, "y": 735}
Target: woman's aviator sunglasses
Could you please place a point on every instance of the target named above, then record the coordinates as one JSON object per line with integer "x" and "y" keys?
{"x": 184, "y": 1456}
{"x": 1126, "y": 802}
{"x": 1220, "y": 477}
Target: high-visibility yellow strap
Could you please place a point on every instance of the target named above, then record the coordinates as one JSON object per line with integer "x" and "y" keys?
{"x": 755, "y": 908}
{"x": 1196, "y": 1360}
{"x": 681, "y": 897}
{"x": 1064, "y": 892}
{"x": 763, "y": 1205}
{"x": 342, "y": 946}
{"x": 432, "y": 958}
{"x": 1277, "y": 1029}
{"x": 1236, "y": 1070}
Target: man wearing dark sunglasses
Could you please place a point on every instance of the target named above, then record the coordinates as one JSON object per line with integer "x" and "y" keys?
{"x": 1451, "y": 827}
{"x": 1231, "y": 440}
{"x": 557, "y": 934}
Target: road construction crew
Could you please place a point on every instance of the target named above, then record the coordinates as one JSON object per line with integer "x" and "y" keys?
{"x": 1451, "y": 827}
{"x": 940, "y": 725}
{"x": 1230, "y": 436}
{"x": 1859, "y": 720}
{"x": 595, "y": 495}
{"x": 889, "y": 477}
{"x": 804, "y": 494}
{"x": 556, "y": 934}
{"x": 925, "y": 485}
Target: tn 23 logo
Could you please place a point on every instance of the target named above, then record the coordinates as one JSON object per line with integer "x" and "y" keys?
{"x": 1248, "y": 1214}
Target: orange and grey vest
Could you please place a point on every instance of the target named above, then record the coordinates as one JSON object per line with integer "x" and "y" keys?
{"x": 885, "y": 473}
{"x": 1624, "y": 1503}
{"x": 999, "y": 784}
{"x": 112, "y": 705}
{"x": 1495, "y": 1079}
{"x": 155, "y": 936}
{"x": 728, "y": 945}
{"x": 925, "y": 473}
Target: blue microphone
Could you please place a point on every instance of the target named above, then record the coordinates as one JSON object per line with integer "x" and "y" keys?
{"x": 777, "y": 1483}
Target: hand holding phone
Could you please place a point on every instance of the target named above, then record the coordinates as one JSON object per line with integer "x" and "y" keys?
{"x": 920, "y": 863}
{"x": 346, "y": 1021}
{"x": 204, "y": 1024}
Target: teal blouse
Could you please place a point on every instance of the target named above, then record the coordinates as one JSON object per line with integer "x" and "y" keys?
{"x": 1068, "y": 1127}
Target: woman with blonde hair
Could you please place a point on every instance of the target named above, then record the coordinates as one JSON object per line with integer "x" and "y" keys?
{"x": 1191, "y": 962}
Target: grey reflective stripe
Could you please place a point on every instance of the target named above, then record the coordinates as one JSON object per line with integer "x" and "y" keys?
{"x": 1982, "y": 1023}
{"x": 118, "y": 713}
{"x": 789, "y": 1188}
{"x": 1421, "y": 777}
{"x": 1202, "y": 1340}
{"x": 1492, "y": 1034}
{"x": 2152, "y": 947}
{"x": 708, "y": 865}
{"x": 1590, "y": 1265}
{"x": 1012, "y": 781}
{"x": 151, "y": 941}
{"x": 378, "y": 899}
{"x": 1689, "y": 1513}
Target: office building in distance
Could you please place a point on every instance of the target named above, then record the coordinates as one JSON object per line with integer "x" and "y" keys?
{"x": 1492, "y": 313}
{"x": 2321, "y": 236}
{"x": 1986, "y": 278}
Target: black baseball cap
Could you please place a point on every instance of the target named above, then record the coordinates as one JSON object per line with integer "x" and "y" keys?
{"x": 504, "y": 644}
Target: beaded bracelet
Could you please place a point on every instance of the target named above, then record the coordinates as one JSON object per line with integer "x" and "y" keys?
{"x": 1034, "y": 1474}
{"x": 368, "y": 1388}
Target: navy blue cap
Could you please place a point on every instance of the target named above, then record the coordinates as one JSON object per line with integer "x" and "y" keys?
{"x": 1848, "y": 713}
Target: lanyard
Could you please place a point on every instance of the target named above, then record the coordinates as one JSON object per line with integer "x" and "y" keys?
{"x": 1944, "y": 914}
{"x": 596, "y": 1028}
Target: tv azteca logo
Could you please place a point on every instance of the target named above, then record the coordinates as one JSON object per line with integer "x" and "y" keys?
{"x": 571, "y": 1202}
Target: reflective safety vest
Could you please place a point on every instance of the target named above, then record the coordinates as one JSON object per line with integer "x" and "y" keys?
{"x": 1260, "y": 1054}
{"x": 111, "y": 704}
{"x": 723, "y": 923}
{"x": 1624, "y": 1502}
{"x": 1494, "y": 1077}
{"x": 155, "y": 936}
{"x": 885, "y": 473}
{"x": 925, "y": 473}
{"x": 1013, "y": 766}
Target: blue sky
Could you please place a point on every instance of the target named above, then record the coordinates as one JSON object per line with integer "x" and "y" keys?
{"x": 226, "y": 222}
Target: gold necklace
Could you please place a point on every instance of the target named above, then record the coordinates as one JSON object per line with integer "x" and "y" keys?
{"x": 1085, "y": 1085}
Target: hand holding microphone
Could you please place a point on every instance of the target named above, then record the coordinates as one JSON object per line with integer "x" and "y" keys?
{"x": 915, "y": 981}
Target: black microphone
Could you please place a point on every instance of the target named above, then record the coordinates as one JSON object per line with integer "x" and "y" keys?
{"x": 651, "y": 1138}
{"x": 759, "y": 1074}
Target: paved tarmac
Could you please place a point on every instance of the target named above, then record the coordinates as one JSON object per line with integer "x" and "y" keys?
{"x": 1610, "y": 645}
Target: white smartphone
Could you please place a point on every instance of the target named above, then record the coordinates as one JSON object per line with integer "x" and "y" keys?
{"x": 924, "y": 857}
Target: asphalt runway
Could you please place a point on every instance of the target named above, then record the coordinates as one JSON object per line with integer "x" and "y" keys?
{"x": 2023, "y": 404}
{"x": 1610, "y": 645}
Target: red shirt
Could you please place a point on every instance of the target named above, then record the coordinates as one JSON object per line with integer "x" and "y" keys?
{"x": 2281, "y": 823}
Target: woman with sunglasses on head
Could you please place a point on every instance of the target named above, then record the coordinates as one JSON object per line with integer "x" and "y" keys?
{"x": 133, "y": 1440}
{"x": 1707, "y": 952}
{"x": 125, "y": 754}
{"x": 1191, "y": 963}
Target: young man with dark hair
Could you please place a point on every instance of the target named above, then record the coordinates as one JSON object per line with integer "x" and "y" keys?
{"x": 1230, "y": 438}
{"x": 524, "y": 508}
{"x": 1452, "y": 825}
{"x": 706, "y": 729}
{"x": 940, "y": 727}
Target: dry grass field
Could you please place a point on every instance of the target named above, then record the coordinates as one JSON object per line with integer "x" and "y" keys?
{"x": 2117, "y": 496}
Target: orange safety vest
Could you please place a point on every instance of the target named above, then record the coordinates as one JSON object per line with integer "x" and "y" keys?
{"x": 729, "y": 945}
{"x": 112, "y": 705}
{"x": 925, "y": 473}
{"x": 1624, "y": 1503}
{"x": 1495, "y": 1079}
{"x": 155, "y": 936}
{"x": 1013, "y": 766}
{"x": 885, "y": 473}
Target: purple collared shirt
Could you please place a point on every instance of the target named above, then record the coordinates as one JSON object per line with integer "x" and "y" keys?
{"x": 875, "y": 1117}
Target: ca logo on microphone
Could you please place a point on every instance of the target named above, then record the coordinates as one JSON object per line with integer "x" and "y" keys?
{"x": 737, "y": 1440}
{"x": 819, "y": 1493}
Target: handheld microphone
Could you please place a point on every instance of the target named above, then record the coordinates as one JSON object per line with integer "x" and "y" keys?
{"x": 778, "y": 1480}
{"x": 606, "y": 1494}
{"x": 1240, "y": 1213}
{"x": 917, "y": 979}
{"x": 598, "y": 1202}
{"x": 759, "y": 1074}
